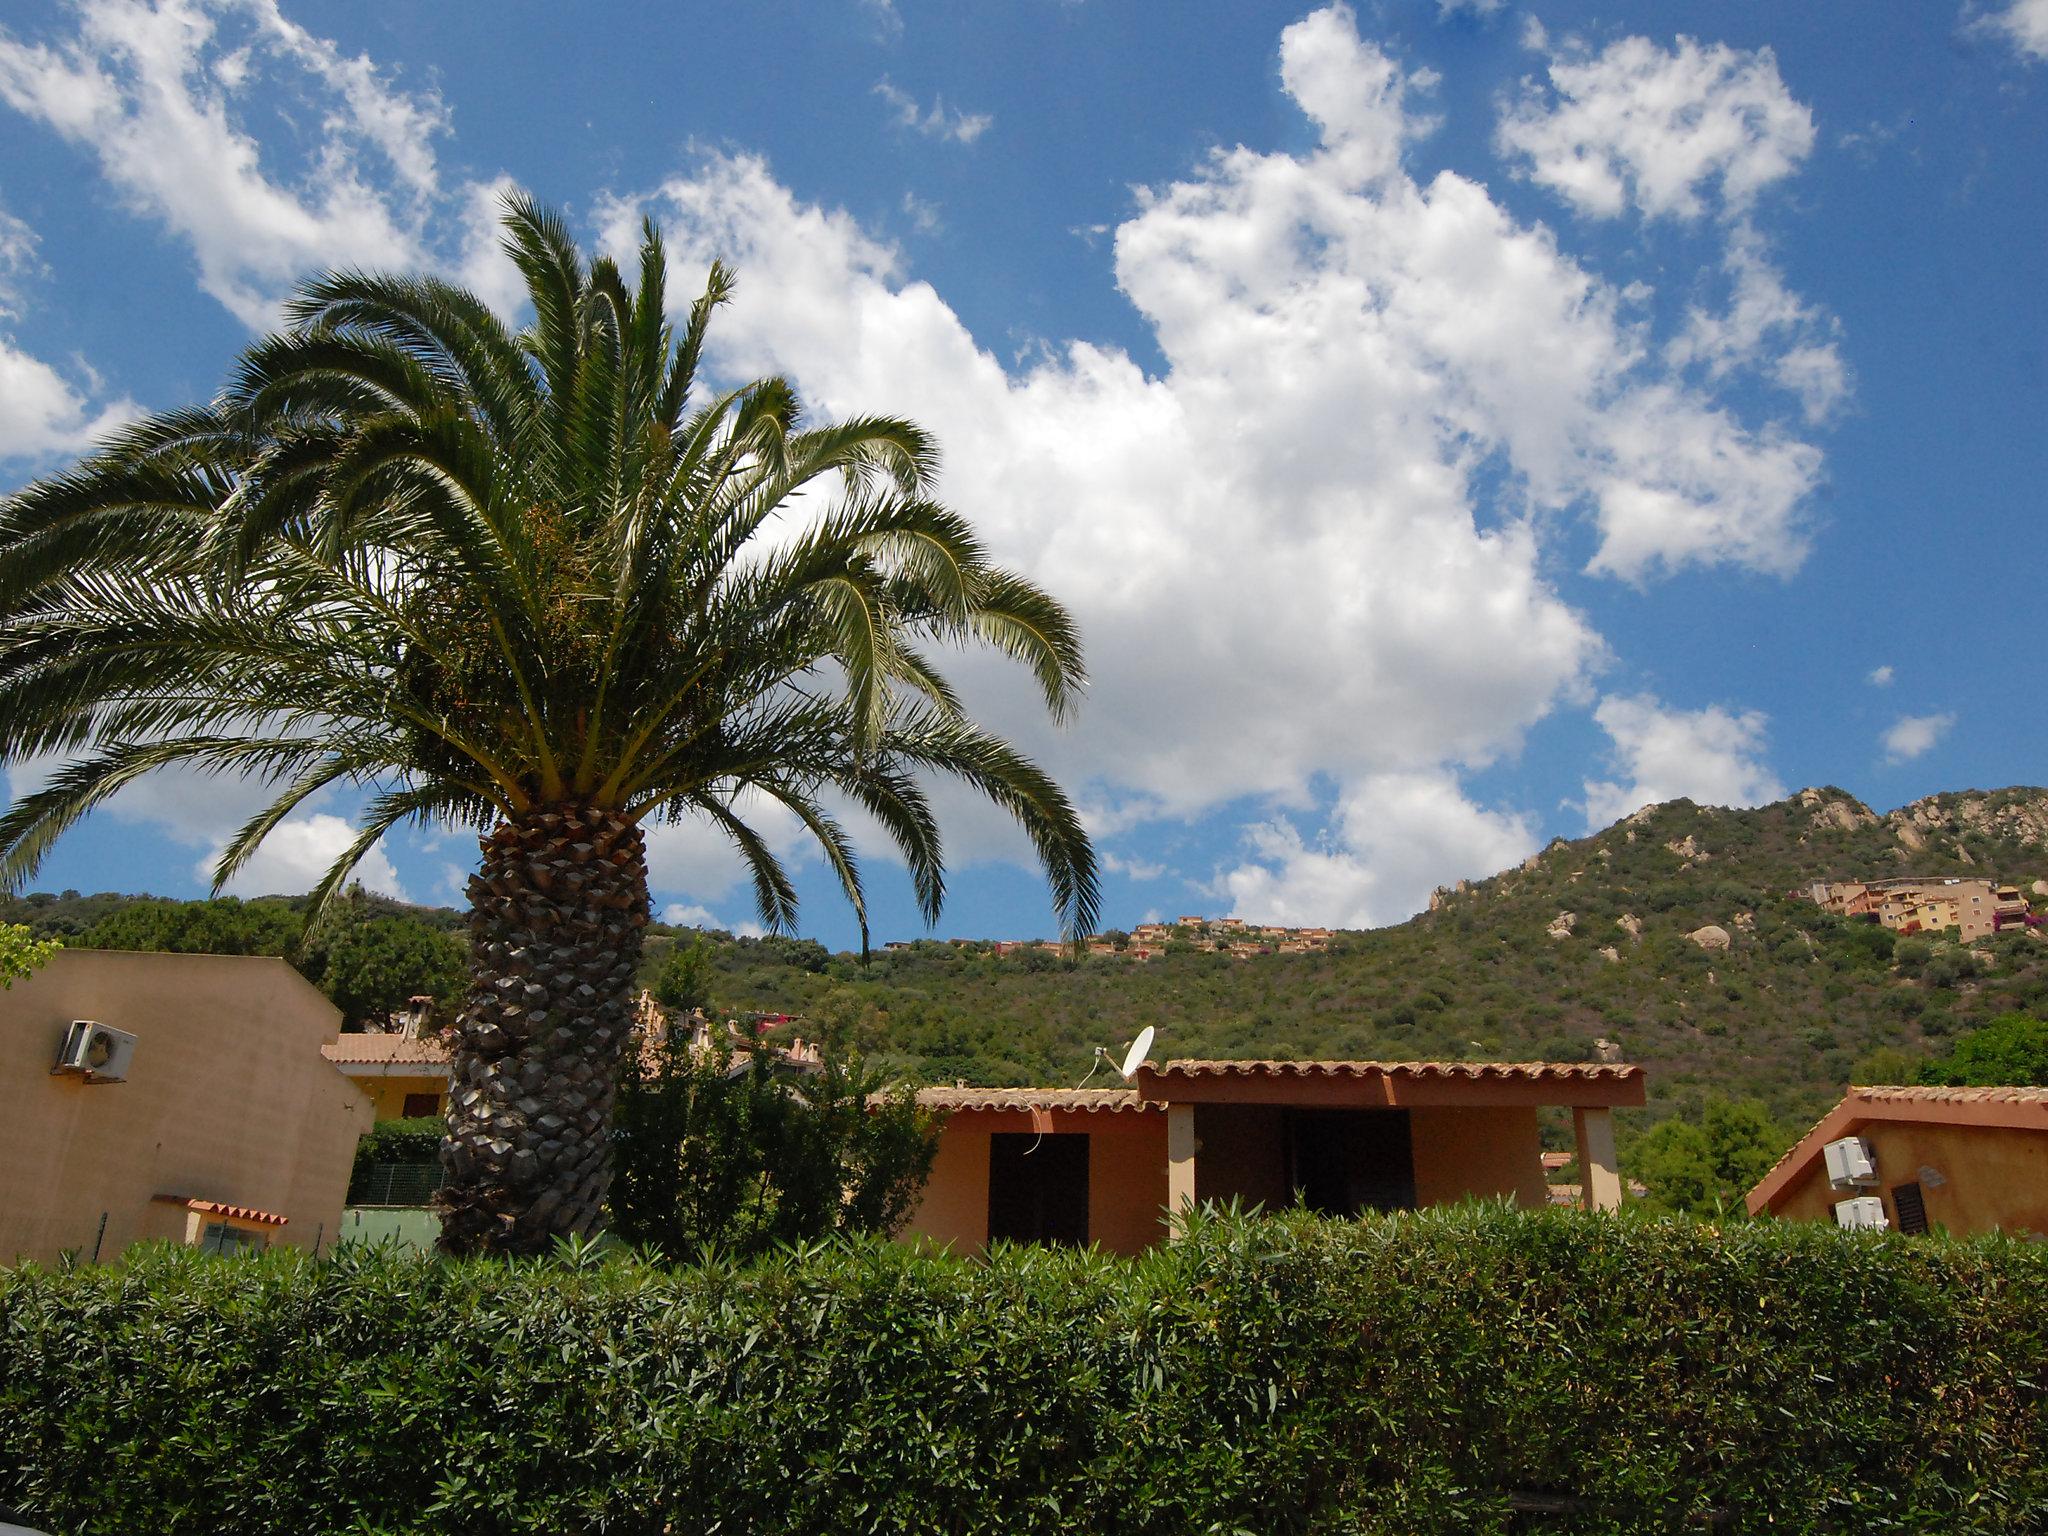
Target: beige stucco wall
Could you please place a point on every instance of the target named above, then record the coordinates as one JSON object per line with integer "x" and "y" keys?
{"x": 228, "y": 1099}
{"x": 1992, "y": 1177}
{"x": 1126, "y": 1177}
{"x": 1461, "y": 1153}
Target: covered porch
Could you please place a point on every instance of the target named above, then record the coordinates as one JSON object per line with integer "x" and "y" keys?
{"x": 1108, "y": 1166}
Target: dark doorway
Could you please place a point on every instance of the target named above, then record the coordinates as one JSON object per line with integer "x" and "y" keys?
{"x": 1351, "y": 1160}
{"x": 1038, "y": 1188}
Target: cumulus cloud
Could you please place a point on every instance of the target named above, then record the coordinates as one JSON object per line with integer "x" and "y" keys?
{"x": 297, "y": 853}
{"x": 2024, "y": 24}
{"x": 201, "y": 811}
{"x": 1311, "y": 548}
{"x": 1664, "y": 130}
{"x": 1391, "y": 839}
{"x": 1914, "y": 736}
{"x": 45, "y": 412}
{"x": 1713, "y": 756}
{"x": 1276, "y": 546}
{"x": 937, "y": 122}
{"x": 1880, "y": 677}
{"x": 156, "y": 90}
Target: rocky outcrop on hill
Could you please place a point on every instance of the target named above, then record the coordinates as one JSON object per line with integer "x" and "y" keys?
{"x": 1832, "y": 808}
{"x": 2017, "y": 814}
{"x": 1712, "y": 936}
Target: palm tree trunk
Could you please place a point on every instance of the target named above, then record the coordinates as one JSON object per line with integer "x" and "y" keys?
{"x": 556, "y": 914}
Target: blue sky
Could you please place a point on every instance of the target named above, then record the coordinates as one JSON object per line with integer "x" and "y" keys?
{"x": 1454, "y": 423}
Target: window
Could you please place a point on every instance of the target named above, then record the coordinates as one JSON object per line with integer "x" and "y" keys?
{"x": 1038, "y": 1188}
{"x": 1911, "y": 1206}
{"x": 223, "y": 1237}
{"x": 422, "y": 1105}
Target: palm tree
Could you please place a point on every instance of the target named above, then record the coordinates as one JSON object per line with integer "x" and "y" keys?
{"x": 536, "y": 583}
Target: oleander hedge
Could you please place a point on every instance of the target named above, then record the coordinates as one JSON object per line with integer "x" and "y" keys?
{"x": 1425, "y": 1373}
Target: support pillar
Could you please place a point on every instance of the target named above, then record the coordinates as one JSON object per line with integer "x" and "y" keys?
{"x": 1180, "y": 1159}
{"x": 1599, "y": 1172}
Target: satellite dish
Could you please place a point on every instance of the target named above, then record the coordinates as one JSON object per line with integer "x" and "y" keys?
{"x": 1134, "y": 1058}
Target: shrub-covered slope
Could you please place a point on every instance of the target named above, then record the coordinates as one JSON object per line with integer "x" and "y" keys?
{"x": 1796, "y": 1001}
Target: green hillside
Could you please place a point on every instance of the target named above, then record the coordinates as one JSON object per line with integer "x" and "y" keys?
{"x": 1796, "y": 1004}
{"x": 1797, "y": 1001}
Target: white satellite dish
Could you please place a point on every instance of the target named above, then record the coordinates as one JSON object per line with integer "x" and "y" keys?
{"x": 1134, "y": 1058}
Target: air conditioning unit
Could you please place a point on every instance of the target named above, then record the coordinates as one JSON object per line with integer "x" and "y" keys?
{"x": 1863, "y": 1214}
{"x": 1851, "y": 1163}
{"x": 95, "y": 1051}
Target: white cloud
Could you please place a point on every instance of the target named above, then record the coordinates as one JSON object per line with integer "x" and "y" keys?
{"x": 17, "y": 259}
{"x": 1880, "y": 677}
{"x": 1914, "y": 736}
{"x": 202, "y": 811}
{"x": 44, "y": 413}
{"x": 2024, "y": 24}
{"x": 1476, "y": 7}
{"x": 1392, "y": 839}
{"x": 683, "y": 914}
{"x": 1276, "y": 545}
{"x": 1639, "y": 124}
{"x": 937, "y": 122}
{"x": 923, "y": 216}
{"x": 887, "y": 19}
{"x": 1766, "y": 329}
{"x": 1141, "y": 870}
{"x": 1712, "y": 756}
{"x": 156, "y": 92}
{"x": 297, "y": 853}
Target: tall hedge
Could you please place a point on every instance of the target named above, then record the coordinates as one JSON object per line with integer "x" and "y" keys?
{"x": 1424, "y": 1373}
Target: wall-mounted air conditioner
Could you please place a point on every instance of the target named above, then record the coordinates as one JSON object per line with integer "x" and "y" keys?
{"x": 1863, "y": 1214}
{"x": 1851, "y": 1163}
{"x": 95, "y": 1051}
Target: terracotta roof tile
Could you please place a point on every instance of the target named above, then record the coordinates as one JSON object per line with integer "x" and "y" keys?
{"x": 385, "y": 1050}
{"x": 222, "y": 1208}
{"x": 1529, "y": 1071}
{"x": 1091, "y": 1099}
{"x": 1884, "y": 1094}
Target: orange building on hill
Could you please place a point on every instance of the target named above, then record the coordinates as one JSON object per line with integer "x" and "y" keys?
{"x": 1108, "y": 1165}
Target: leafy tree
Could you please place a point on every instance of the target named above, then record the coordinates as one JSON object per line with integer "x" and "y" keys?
{"x": 22, "y": 954}
{"x": 514, "y": 581}
{"x": 745, "y": 1159}
{"x": 222, "y": 926}
{"x": 2011, "y": 1051}
{"x": 371, "y": 965}
{"x": 684, "y": 981}
{"x": 1705, "y": 1167}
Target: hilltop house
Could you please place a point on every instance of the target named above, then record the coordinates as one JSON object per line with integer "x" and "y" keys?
{"x": 220, "y": 1125}
{"x": 1962, "y": 1159}
{"x": 1974, "y": 908}
{"x": 1107, "y": 1165}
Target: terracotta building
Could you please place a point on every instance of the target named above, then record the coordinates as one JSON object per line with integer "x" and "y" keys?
{"x": 1107, "y": 1165}
{"x": 1962, "y": 1159}
{"x": 221, "y": 1125}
